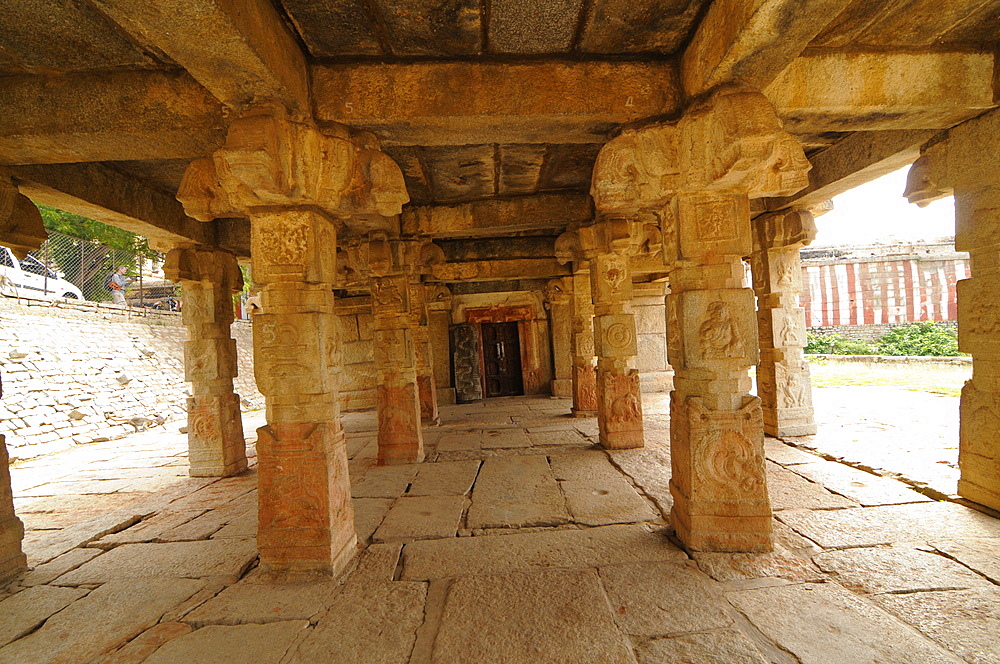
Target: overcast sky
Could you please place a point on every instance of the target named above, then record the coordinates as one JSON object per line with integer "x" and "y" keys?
{"x": 877, "y": 213}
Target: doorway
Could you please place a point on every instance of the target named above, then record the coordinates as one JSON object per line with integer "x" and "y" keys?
{"x": 502, "y": 359}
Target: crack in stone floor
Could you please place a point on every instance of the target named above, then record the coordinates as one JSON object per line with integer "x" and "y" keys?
{"x": 514, "y": 542}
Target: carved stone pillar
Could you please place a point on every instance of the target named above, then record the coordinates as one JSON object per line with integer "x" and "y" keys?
{"x": 557, "y": 299}
{"x": 966, "y": 162}
{"x": 582, "y": 347}
{"x": 608, "y": 245}
{"x": 216, "y": 446}
{"x": 423, "y": 355}
{"x": 438, "y": 299}
{"x": 698, "y": 176}
{"x": 782, "y": 373}
{"x": 22, "y": 230}
{"x": 293, "y": 181}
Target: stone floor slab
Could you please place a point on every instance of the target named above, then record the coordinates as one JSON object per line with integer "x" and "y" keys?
{"x": 786, "y": 455}
{"x": 255, "y": 601}
{"x": 54, "y": 568}
{"x": 981, "y": 554}
{"x": 445, "y": 478}
{"x": 649, "y": 468}
{"x": 105, "y": 619}
{"x": 29, "y": 608}
{"x": 664, "y": 598}
{"x": 871, "y": 526}
{"x": 372, "y": 622}
{"x": 967, "y": 622}
{"x": 582, "y": 465}
{"x": 368, "y": 515}
{"x": 459, "y": 441}
{"x": 865, "y": 488}
{"x": 149, "y": 530}
{"x": 605, "y": 500}
{"x": 515, "y": 492}
{"x": 897, "y": 569}
{"x": 141, "y": 647}
{"x": 780, "y": 563}
{"x": 823, "y": 623}
{"x": 226, "y": 557}
{"x": 569, "y": 549}
{"x": 568, "y": 436}
{"x": 225, "y": 644}
{"x": 492, "y": 439}
{"x": 422, "y": 517}
{"x": 725, "y": 646}
{"x": 513, "y": 619}
{"x": 791, "y": 491}
{"x": 385, "y": 481}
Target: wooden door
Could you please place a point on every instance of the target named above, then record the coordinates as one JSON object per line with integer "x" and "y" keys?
{"x": 465, "y": 363}
{"x": 502, "y": 359}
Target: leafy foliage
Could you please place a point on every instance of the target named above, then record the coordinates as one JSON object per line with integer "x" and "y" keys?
{"x": 924, "y": 338}
{"x": 835, "y": 344}
{"x": 88, "y": 229}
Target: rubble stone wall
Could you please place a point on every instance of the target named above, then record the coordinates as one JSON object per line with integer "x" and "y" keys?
{"x": 75, "y": 373}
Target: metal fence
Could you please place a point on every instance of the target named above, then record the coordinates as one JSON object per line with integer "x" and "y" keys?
{"x": 75, "y": 268}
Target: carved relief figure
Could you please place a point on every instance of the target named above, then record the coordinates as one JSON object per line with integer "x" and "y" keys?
{"x": 789, "y": 335}
{"x": 793, "y": 392}
{"x": 720, "y": 337}
{"x": 386, "y": 293}
{"x": 621, "y": 391}
{"x": 786, "y": 275}
{"x": 619, "y": 336}
{"x": 727, "y": 461}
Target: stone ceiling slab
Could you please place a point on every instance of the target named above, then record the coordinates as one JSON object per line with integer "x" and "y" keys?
{"x": 332, "y": 28}
{"x": 461, "y": 173}
{"x": 911, "y": 24}
{"x": 638, "y": 26}
{"x": 441, "y": 28}
{"x": 529, "y": 26}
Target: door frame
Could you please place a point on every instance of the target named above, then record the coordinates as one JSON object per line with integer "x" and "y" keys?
{"x": 522, "y": 315}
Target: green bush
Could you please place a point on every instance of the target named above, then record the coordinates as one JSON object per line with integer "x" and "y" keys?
{"x": 925, "y": 338}
{"x": 835, "y": 344}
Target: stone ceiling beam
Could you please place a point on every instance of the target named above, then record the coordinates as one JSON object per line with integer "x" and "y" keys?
{"x": 240, "y": 50}
{"x": 102, "y": 193}
{"x": 498, "y": 270}
{"x": 463, "y": 103}
{"x": 859, "y": 158}
{"x": 107, "y": 116}
{"x": 751, "y": 41}
{"x": 880, "y": 91}
{"x": 499, "y": 216}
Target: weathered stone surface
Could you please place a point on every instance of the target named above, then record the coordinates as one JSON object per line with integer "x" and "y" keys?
{"x": 785, "y": 454}
{"x": 870, "y": 526}
{"x": 368, "y": 515}
{"x": 455, "y": 441}
{"x": 601, "y": 501}
{"x": 367, "y": 622}
{"x": 151, "y": 529}
{"x": 376, "y": 564}
{"x": 141, "y": 647}
{"x": 254, "y": 601}
{"x": 897, "y": 569}
{"x": 661, "y": 598}
{"x": 58, "y": 566}
{"x": 511, "y": 618}
{"x": 779, "y": 563}
{"x": 791, "y": 491}
{"x": 649, "y": 468}
{"x": 979, "y": 554}
{"x": 967, "y": 622}
{"x": 122, "y": 609}
{"x": 858, "y": 485}
{"x": 385, "y": 481}
{"x": 422, "y": 517}
{"x": 571, "y": 549}
{"x": 445, "y": 478}
{"x": 516, "y": 492}
{"x": 561, "y": 437}
{"x": 492, "y": 439}
{"x": 227, "y": 557}
{"x": 811, "y": 621}
{"x": 239, "y": 644}
{"x": 29, "y": 608}
{"x": 725, "y": 646}
{"x": 582, "y": 466}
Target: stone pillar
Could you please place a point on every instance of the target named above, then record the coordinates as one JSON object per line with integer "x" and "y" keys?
{"x": 216, "y": 446}
{"x": 438, "y": 299}
{"x": 423, "y": 355}
{"x": 782, "y": 372}
{"x": 966, "y": 163}
{"x": 22, "y": 230}
{"x": 582, "y": 347}
{"x": 698, "y": 176}
{"x": 608, "y": 245}
{"x": 292, "y": 181}
{"x": 557, "y": 299}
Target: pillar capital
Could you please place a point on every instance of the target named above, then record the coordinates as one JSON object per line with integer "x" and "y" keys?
{"x": 21, "y": 226}
{"x": 788, "y": 229}
{"x": 272, "y": 159}
{"x": 204, "y": 265}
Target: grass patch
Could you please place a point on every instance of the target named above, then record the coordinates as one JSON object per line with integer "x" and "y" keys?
{"x": 936, "y": 379}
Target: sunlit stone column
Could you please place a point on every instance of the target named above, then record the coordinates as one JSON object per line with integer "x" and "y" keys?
{"x": 697, "y": 176}
{"x": 216, "y": 446}
{"x": 423, "y": 355}
{"x": 782, "y": 372}
{"x": 293, "y": 181}
{"x": 608, "y": 244}
{"x": 557, "y": 301}
{"x": 966, "y": 162}
{"x": 582, "y": 347}
{"x": 12, "y": 559}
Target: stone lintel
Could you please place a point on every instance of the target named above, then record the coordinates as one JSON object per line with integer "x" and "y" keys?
{"x": 466, "y": 103}
{"x": 498, "y": 216}
{"x": 498, "y": 270}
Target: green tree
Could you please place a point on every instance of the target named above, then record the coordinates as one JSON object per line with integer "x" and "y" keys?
{"x": 924, "y": 338}
{"x": 835, "y": 344}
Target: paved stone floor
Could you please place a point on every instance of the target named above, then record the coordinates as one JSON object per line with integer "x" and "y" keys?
{"x": 517, "y": 541}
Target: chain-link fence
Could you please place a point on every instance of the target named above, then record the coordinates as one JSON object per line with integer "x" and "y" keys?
{"x": 73, "y": 268}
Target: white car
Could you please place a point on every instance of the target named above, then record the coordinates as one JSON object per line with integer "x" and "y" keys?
{"x": 30, "y": 278}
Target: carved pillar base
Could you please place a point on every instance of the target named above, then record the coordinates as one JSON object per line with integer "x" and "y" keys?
{"x": 216, "y": 446}
{"x": 306, "y": 515}
{"x": 399, "y": 436}
{"x": 12, "y": 559}
{"x": 584, "y": 391}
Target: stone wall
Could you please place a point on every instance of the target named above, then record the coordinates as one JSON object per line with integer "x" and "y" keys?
{"x": 75, "y": 373}
{"x": 655, "y": 374}
{"x": 866, "y": 332}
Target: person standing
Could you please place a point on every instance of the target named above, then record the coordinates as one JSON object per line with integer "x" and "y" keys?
{"x": 116, "y": 284}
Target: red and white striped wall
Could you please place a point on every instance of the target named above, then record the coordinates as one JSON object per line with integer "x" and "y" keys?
{"x": 881, "y": 292}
